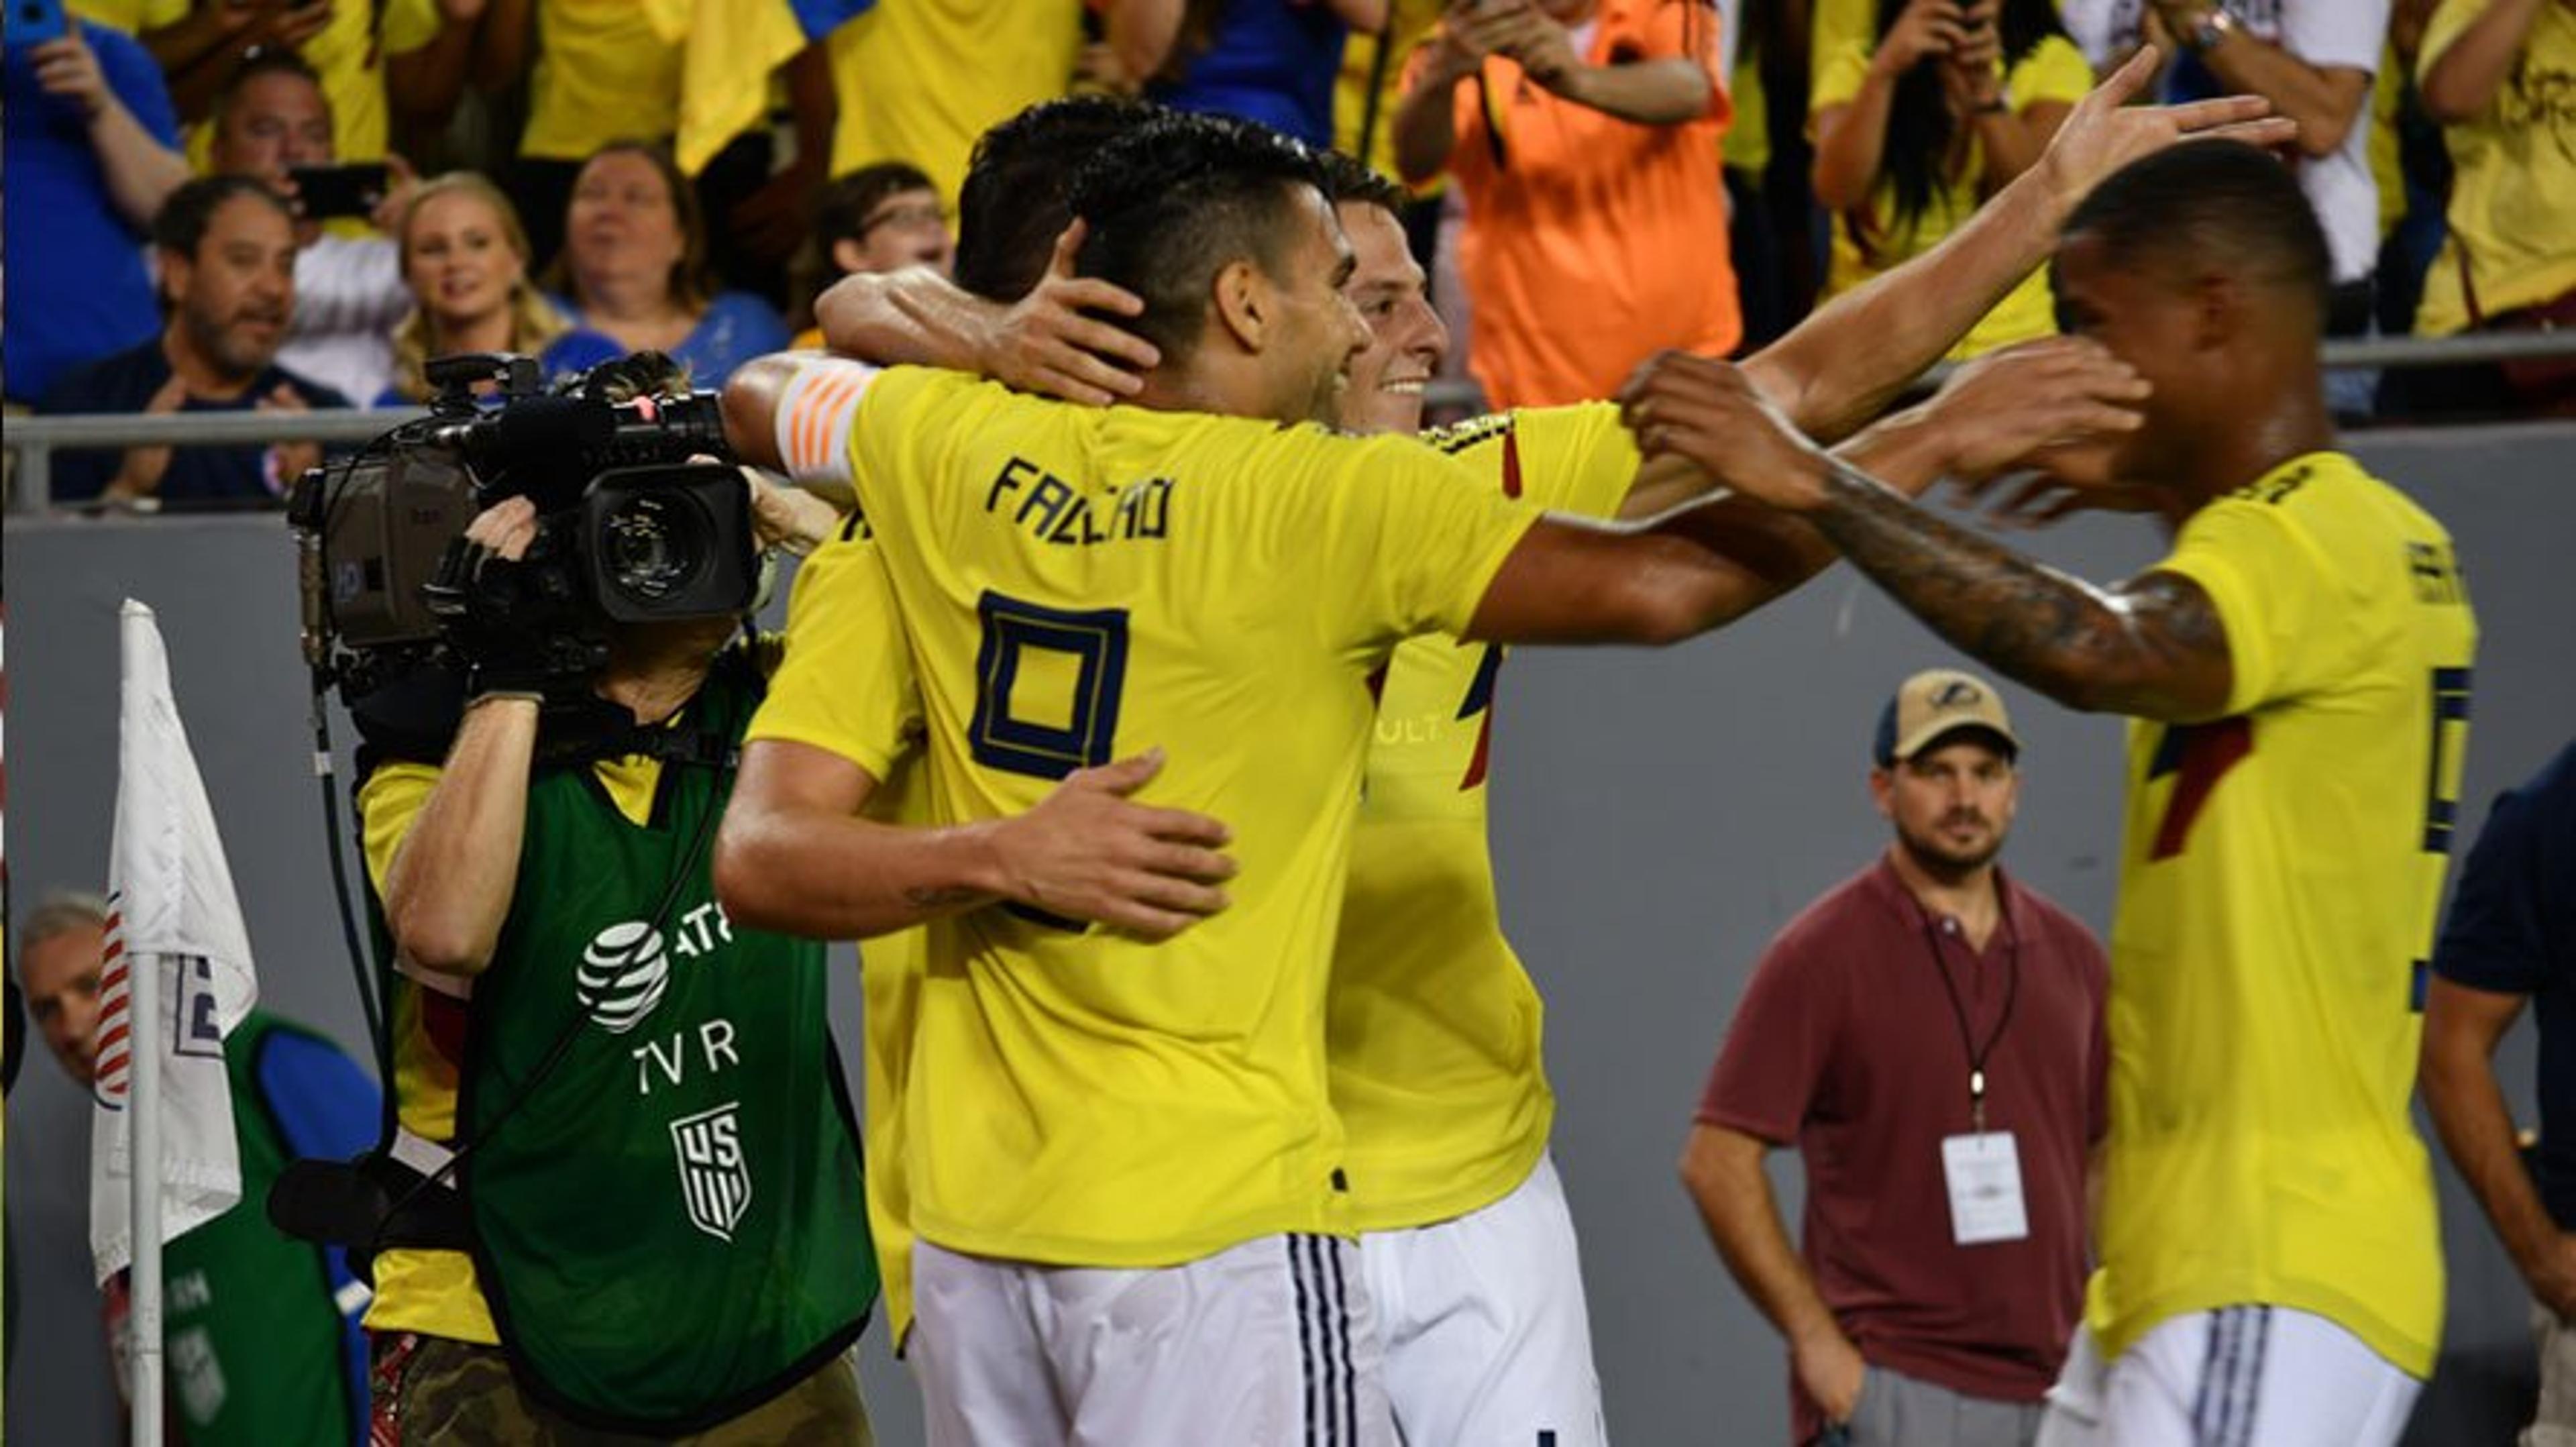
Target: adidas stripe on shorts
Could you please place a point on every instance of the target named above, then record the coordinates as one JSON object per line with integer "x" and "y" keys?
{"x": 1270, "y": 1343}
{"x": 2234, "y": 1377}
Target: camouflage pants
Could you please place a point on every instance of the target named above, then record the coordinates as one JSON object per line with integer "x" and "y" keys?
{"x": 429, "y": 1390}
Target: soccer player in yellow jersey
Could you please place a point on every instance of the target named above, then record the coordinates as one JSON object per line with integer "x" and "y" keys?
{"x": 2298, "y": 672}
{"x": 1174, "y": 1196}
{"x": 1436, "y": 1064}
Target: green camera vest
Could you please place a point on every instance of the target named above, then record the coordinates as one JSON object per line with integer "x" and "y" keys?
{"x": 252, "y": 1338}
{"x": 670, "y": 1224}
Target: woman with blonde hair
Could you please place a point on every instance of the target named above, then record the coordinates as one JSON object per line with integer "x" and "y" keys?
{"x": 465, "y": 258}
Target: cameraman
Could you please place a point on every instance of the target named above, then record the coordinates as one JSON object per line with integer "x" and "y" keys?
{"x": 636, "y": 1204}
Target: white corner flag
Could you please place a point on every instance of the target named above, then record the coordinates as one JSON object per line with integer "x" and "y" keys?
{"x": 178, "y": 979}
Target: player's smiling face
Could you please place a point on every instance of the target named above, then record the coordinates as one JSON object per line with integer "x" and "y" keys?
{"x": 1407, "y": 340}
{"x": 1320, "y": 333}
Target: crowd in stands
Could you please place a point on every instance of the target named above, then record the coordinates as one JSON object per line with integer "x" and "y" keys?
{"x": 1596, "y": 177}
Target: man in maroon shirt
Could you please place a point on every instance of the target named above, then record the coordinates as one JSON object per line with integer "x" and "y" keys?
{"x": 1929, "y": 1035}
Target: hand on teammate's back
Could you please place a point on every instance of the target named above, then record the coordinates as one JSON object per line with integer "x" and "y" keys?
{"x": 1088, "y": 851}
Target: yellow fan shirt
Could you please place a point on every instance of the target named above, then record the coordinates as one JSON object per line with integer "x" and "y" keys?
{"x": 2280, "y": 872}
{"x": 919, "y": 80}
{"x": 1076, "y": 586}
{"x": 2053, "y": 72}
{"x": 1435, "y": 1027}
{"x": 2513, "y": 185}
{"x": 607, "y": 70}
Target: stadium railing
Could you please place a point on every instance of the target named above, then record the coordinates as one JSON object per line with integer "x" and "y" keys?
{"x": 32, "y": 441}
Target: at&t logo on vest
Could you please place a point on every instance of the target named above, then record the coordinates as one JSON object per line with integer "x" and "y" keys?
{"x": 623, "y": 974}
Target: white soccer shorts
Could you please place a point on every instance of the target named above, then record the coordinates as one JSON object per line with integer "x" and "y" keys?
{"x": 1487, "y": 1338}
{"x": 2234, "y": 1377}
{"x": 1271, "y": 1343}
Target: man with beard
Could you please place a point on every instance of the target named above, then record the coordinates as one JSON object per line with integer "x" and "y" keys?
{"x": 227, "y": 255}
{"x": 1944, "y": 1231}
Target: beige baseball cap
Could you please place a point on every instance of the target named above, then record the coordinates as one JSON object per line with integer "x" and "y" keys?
{"x": 1934, "y": 704}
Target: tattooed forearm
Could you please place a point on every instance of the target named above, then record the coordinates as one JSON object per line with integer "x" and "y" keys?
{"x": 933, "y": 900}
{"x": 2147, "y": 649}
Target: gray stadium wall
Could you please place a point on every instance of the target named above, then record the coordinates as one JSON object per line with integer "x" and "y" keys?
{"x": 1656, "y": 818}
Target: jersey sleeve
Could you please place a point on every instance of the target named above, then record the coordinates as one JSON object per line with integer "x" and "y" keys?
{"x": 846, "y": 685}
{"x": 1766, "y": 1074}
{"x": 2287, "y": 628}
{"x": 388, "y": 801}
{"x": 1577, "y": 459}
{"x": 1403, "y": 540}
{"x": 1838, "y": 78}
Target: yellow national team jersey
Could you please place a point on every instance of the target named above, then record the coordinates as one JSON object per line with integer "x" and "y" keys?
{"x": 1434, "y": 1025}
{"x": 847, "y": 688}
{"x": 430, "y": 1291}
{"x": 1078, "y": 585}
{"x": 607, "y": 70}
{"x": 919, "y": 80}
{"x": 2280, "y": 872}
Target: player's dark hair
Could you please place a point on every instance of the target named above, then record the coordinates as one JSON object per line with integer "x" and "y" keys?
{"x": 180, "y": 225}
{"x": 1347, "y": 178}
{"x": 2218, "y": 204}
{"x": 1919, "y": 124}
{"x": 1014, "y": 203}
{"x": 1177, "y": 199}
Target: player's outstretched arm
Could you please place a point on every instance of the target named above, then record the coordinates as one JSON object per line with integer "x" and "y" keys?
{"x": 1841, "y": 365}
{"x": 1705, "y": 563}
{"x": 792, "y": 854}
{"x": 2152, "y": 647}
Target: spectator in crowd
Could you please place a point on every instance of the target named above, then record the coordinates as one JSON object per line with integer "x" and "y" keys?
{"x": 227, "y": 250}
{"x": 601, "y": 73}
{"x": 919, "y": 80}
{"x": 878, "y": 218}
{"x": 1916, "y": 1303}
{"x": 605, "y": 72}
{"x": 633, "y": 274}
{"x": 2313, "y": 59}
{"x": 1915, "y": 133}
{"x": 379, "y": 62}
{"x": 259, "y": 1351}
{"x": 2305, "y": 647}
{"x": 1596, "y": 214}
{"x": 2511, "y": 942}
{"x": 2498, "y": 76}
{"x": 90, "y": 152}
{"x": 1272, "y": 61}
{"x": 465, "y": 260}
{"x": 272, "y": 121}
